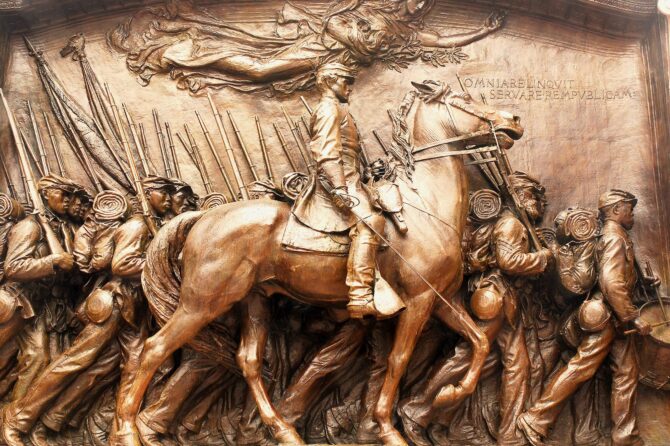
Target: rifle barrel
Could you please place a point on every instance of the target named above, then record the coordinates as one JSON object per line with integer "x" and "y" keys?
{"x": 284, "y": 147}
{"x": 304, "y": 102}
{"x": 54, "y": 245}
{"x": 54, "y": 145}
{"x": 240, "y": 140}
{"x": 194, "y": 153}
{"x": 161, "y": 144}
{"x": 38, "y": 138}
{"x": 136, "y": 140}
{"x": 173, "y": 151}
{"x": 139, "y": 188}
{"x": 31, "y": 153}
{"x": 229, "y": 148}
{"x": 296, "y": 137}
{"x": 264, "y": 149}
{"x": 10, "y": 184}
{"x": 212, "y": 149}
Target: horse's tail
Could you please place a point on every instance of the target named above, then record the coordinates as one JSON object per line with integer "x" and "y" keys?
{"x": 161, "y": 282}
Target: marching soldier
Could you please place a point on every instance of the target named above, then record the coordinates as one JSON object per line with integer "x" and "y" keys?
{"x": 116, "y": 310}
{"x": 495, "y": 302}
{"x": 602, "y": 333}
{"x": 183, "y": 199}
{"x": 33, "y": 277}
{"x": 332, "y": 197}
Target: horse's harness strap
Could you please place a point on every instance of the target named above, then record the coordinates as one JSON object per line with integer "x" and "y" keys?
{"x": 450, "y": 140}
{"x": 456, "y": 153}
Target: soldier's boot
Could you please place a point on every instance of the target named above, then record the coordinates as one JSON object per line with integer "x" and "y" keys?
{"x": 39, "y": 435}
{"x": 361, "y": 274}
{"x": 10, "y": 432}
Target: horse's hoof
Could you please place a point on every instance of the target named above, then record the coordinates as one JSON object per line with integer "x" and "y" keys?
{"x": 126, "y": 435}
{"x": 392, "y": 438}
{"x": 288, "y": 437}
{"x": 449, "y": 396}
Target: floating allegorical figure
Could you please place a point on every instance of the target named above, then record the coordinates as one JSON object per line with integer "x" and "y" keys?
{"x": 602, "y": 318}
{"x": 201, "y": 50}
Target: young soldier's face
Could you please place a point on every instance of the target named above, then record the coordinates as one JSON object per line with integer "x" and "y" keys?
{"x": 181, "y": 202}
{"x": 57, "y": 200}
{"x": 160, "y": 201}
{"x": 342, "y": 88}
{"x": 74, "y": 209}
{"x": 625, "y": 215}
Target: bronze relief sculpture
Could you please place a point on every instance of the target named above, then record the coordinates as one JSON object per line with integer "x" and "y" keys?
{"x": 184, "y": 285}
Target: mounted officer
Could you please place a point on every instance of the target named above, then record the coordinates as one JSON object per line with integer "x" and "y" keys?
{"x": 336, "y": 199}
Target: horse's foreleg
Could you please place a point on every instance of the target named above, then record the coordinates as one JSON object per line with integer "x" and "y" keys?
{"x": 458, "y": 319}
{"x": 255, "y": 324}
{"x": 410, "y": 326}
{"x": 181, "y": 328}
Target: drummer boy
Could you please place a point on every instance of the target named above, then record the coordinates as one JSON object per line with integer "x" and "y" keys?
{"x": 603, "y": 334}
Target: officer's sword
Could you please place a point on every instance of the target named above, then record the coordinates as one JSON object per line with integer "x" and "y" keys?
{"x": 329, "y": 188}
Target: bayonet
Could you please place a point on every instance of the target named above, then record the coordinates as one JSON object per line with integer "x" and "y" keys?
{"x": 294, "y": 131}
{"x": 136, "y": 140}
{"x": 161, "y": 144}
{"x": 212, "y": 149}
{"x": 194, "y": 154}
{"x": 284, "y": 147}
{"x": 31, "y": 153}
{"x": 173, "y": 151}
{"x": 10, "y": 184}
{"x": 38, "y": 139}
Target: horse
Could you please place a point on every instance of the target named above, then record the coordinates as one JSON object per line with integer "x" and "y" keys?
{"x": 233, "y": 254}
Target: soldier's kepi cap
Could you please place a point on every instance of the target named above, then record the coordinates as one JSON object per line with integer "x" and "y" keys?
{"x": 521, "y": 180}
{"x": 180, "y": 185}
{"x": 336, "y": 69}
{"x": 53, "y": 181}
{"x": 614, "y": 196}
{"x": 153, "y": 182}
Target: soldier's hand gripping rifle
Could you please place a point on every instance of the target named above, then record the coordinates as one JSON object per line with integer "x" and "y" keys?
{"x": 52, "y": 240}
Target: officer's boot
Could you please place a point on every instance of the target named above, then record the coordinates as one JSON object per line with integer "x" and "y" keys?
{"x": 361, "y": 273}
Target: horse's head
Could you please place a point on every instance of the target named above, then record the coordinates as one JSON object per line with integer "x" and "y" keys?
{"x": 444, "y": 113}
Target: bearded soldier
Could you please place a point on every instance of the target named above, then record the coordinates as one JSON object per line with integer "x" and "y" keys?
{"x": 336, "y": 199}
{"x": 116, "y": 310}
{"x": 505, "y": 256}
{"x": 602, "y": 333}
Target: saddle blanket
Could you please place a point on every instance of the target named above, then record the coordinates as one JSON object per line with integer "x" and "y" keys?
{"x": 300, "y": 237}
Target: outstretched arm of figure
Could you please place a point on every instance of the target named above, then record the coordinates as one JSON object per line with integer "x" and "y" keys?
{"x": 431, "y": 38}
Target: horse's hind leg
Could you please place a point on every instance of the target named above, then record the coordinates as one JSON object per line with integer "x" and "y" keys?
{"x": 255, "y": 324}
{"x": 181, "y": 328}
{"x": 457, "y": 318}
{"x": 408, "y": 330}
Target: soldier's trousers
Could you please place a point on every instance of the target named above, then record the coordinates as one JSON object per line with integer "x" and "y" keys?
{"x": 592, "y": 352}
{"x": 194, "y": 371}
{"x": 33, "y": 343}
{"x": 62, "y": 371}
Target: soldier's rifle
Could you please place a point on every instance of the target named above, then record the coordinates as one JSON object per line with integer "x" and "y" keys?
{"x": 54, "y": 145}
{"x": 161, "y": 144}
{"x": 297, "y": 138}
{"x": 8, "y": 179}
{"x": 284, "y": 146}
{"x": 136, "y": 140}
{"x": 38, "y": 139}
{"x": 173, "y": 150}
{"x": 194, "y": 153}
{"x": 229, "y": 148}
{"x": 264, "y": 149}
{"x": 137, "y": 181}
{"x": 212, "y": 149}
{"x": 240, "y": 140}
{"x": 31, "y": 153}
{"x": 52, "y": 240}
{"x": 118, "y": 161}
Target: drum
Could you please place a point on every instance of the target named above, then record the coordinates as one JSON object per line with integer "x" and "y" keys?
{"x": 654, "y": 350}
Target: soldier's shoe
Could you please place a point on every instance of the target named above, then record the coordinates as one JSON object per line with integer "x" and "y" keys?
{"x": 39, "y": 435}
{"x": 360, "y": 307}
{"x": 11, "y": 434}
{"x": 531, "y": 435}
{"x": 413, "y": 430}
{"x": 149, "y": 436}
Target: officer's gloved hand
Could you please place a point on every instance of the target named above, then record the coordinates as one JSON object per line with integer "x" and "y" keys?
{"x": 642, "y": 326}
{"x": 341, "y": 199}
{"x": 378, "y": 169}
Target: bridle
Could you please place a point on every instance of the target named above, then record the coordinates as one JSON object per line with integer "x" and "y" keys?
{"x": 467, "y": 108}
